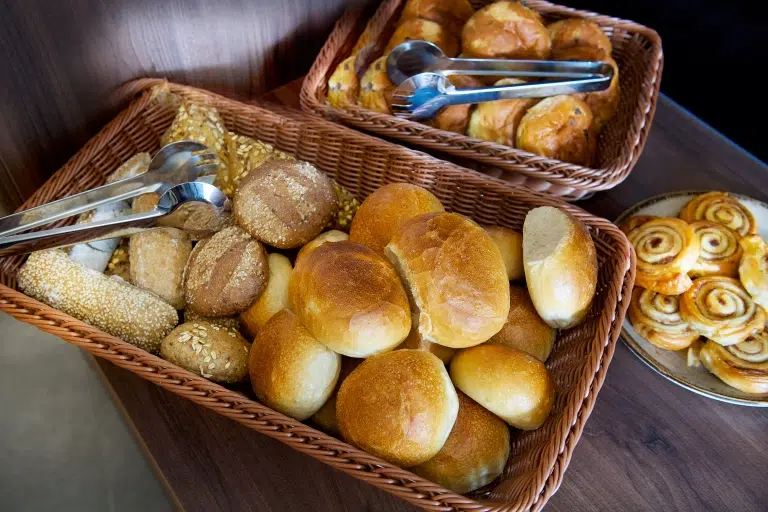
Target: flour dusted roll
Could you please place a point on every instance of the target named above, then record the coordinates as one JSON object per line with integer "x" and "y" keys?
{"x": 274, "y": 297}
{"x": 350, "y": 298}
{"x": 456, "y": 277}
{"x": 560, "y": 263}
{"x": 400, "y": 406}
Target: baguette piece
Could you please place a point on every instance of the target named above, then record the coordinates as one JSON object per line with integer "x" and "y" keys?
{"x": 560, "y": 263}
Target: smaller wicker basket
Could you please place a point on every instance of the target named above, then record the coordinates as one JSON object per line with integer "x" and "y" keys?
{"x": 636, "y": 49}
{"x": 361, "y": 164}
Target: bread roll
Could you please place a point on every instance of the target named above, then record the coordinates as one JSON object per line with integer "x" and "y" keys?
{"x": 225, "y": 273}
{"x": 399, "y": 406}
{"x": 245, "y": 155}
{"x": 108, "y": 303}
{"x": 560, "y": 264}
{"x": 329, "y": 236}
{"x": 417, "y": 28}
{"x": 455, "y": 118}
{"x": 508, "y": 382}
{"x": 273, "y": 299}
{"x": 456, "y": 278}
{"x": 376, "y": 88}
{"x": 291, "y": 372}
{"x": 451, "y": 14}
{"x": 497, "y": 121}
{"x": 325, "y": 417}
{"x": 510, "y": 244}
{"x": 474, "y": 454}
{"x": 524, "y": 329}
{"x": 384, "y": 212}
{"x": 576, "y": 32}
{"x": 227, "y": 322}
{"x": 285, "y": 204}
{"x": 414, "y": 341}
{"x": 505, "y": 30}
{"x": 350, "y": 298}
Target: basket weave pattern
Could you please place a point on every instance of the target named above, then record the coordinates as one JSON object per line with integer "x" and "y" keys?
{"x": 636, "y": 49}
{"x": 361, "y": 164}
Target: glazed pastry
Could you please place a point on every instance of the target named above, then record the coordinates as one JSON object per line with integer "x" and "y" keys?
{"x": 743, "y": 366}
{"x": 376, "y": 88}
{"x": 721, "y": 309}
{"x": 455, "y": 118}
{"x": 572, "y": 32}
{"x": 558, "y": 127}
{"x": 426, "y": 30}
{"x": 497, "y": 121}
{"x": 656, "y": 317}
{"x": 694, "y": 354}
{"x": 343, "y": 85}
{"x": 721, "y": 208}
{"x": 753, "y": 269}
{"x": 602, "y": 103}
{"x": 505, "y": 30}
{"x": 244, "y": 155}
{"x": 719, "y": 250}
{"x": 667, "y": 249}
{"x": 451, "y": 14}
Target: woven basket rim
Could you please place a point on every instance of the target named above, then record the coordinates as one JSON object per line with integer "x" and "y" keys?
{"x": 256, "y": 416}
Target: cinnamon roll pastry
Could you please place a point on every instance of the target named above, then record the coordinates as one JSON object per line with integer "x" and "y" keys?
{"x": 635, "y": 221}
{"x": 694, "y": 354}
{"x": 753, "y": 270}
{"x": 721, "y": 208}
{"x": 667, "y": 249}
{"x": 721, "y": 309}
{"x": 743, "y": 366}
{"x": 656, "y": 317}
{"x": 719, "y": 250}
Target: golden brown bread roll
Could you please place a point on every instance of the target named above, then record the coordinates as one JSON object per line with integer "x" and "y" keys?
{"x": 328, "y": 236}
{"x": 225, "y": 273}
{"x": 719, "y": 250}
{"x": 497, "y": 121}
{"x": 417, "y": 28}
{"x": 451, "y": 14}
{"x": 400, "y": 406}
{"x": 456, "y": 278}
{"x": 573, "y": 32}
{"x": 285, "y": 204}
{"x": 753, "y": 269}
{"x": 343, "y": 85}
{"x": 560, "y": 264}
{"x": 108, "y": 303}
{"x": 721, "y": 309}
{"x": 558, "y": 127}
{"x": 667, "y": 250}
{"x": 325, "y": 417}
{"x": 273, "y": 299}
{"x": 291, "y": 371}
{"x": 656, "y": 317}
{"x": 455, "y": 118}
{"x": 414, "y": 341}
{"x": 505, "y": 30}
{"x": 721, "y": 208}
{"x": 350, "y": 298}
{"x": 510, "y": 244}
{"x": 376, "y": 88}
{"x": 743, "y": 366}
{"x": 474, "y": 454}
{"x": 524, "y": 329}
{"x": 508, "y": 382}
{"x": 384, "y": 213}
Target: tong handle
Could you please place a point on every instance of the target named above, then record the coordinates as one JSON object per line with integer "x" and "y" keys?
{"x": 524, "y": 68}
{"x": 455, "y": 96}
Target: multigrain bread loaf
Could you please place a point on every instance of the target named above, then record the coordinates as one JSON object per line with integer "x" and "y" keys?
{"x": 225, "y": 273}
{"x": 524, "y": 329}
{"x": 274, "y": 297}
{"x": 228, "y": 322}
{"x": 456, "y": 278}
{"x": 108, "y": 303}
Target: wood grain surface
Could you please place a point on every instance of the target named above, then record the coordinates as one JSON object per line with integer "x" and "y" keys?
{"x": 649, "y": 444}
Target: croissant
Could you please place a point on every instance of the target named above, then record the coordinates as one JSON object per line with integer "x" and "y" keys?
{"x": 656, "y": 317}
{"x": 743, "y": 366}
{"x": 721, "y": 309}
{"x": 719, "y": 250}
{"x": 721, "y": 208}
{"x": 667, "y": 249}
{"x": 753, "y": 269}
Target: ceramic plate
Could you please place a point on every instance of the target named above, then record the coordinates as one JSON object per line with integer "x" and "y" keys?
{"x": 673, "y": 365}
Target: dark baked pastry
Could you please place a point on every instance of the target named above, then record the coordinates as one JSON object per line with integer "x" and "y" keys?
{"x": 505, "y": 30}
{"x": 451, "y": 14}
{"x": 414, "y": 29}
{"x": 497, "y": 121}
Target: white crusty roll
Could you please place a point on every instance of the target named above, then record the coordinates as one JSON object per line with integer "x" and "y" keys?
{"x": 456, "y": 278}
{"x": 350, "y": 298}
{"x": 400, "y": 406}
{"x": 560, "y": 264}
{"x": 508, "y": 382}
{"x": 510, "y": 244}
{"x": 274, "y": 297}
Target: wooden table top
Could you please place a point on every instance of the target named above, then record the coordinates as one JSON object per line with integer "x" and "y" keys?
{"x": 648, "y": 445}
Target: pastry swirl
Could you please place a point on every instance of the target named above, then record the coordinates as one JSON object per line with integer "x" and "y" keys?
{"x": 656, "y": 317}
{"x": 753, "y": 269}
{"x": 723, "y": 209}
{"x": 721, "y": 309}
{"x": 719, "y": 250}
{"x": 667, "y": 249}
{"x": 743, "y": 366}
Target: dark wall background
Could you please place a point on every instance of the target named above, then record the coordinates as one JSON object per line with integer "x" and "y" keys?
{"x": 713, "y": 51}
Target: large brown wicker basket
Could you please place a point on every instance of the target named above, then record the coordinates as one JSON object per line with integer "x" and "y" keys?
{"x": 636, "y": 49}
{"x": 361, "y": 164}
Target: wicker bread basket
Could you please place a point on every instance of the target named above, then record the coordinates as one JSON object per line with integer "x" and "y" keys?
{"x": 361, "y": 164}
{"x": 636, "y": 49}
